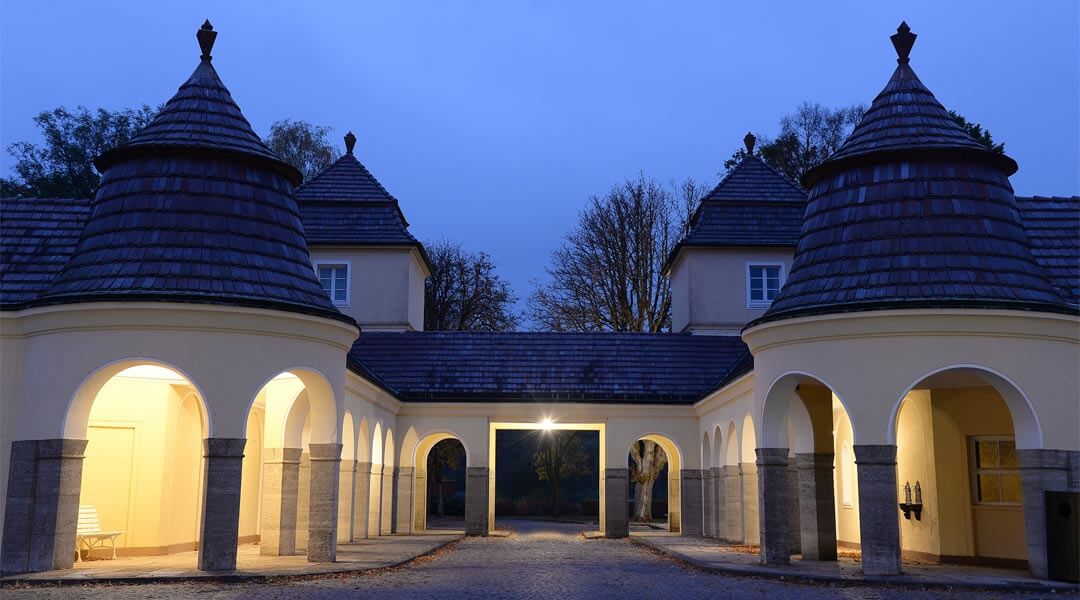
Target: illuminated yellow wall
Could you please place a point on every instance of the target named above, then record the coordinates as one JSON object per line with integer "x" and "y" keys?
{"x": 845, "y": 480}
{"x": 251, "y": 478}
{"x": 915, "y": 463}
{"x": 143, "y": 467}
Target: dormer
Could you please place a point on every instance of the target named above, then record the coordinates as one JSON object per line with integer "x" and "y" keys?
{"x": 737, "y": 254}
{"x": 369, "y": 264}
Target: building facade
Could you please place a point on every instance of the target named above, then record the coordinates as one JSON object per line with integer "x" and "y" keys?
{"x": 210, "y": 353}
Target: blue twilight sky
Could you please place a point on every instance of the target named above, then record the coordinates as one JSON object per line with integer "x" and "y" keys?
{"x": 492, "y": 122}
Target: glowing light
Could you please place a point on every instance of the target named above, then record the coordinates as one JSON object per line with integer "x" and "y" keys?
{"x": 547, "y": 424}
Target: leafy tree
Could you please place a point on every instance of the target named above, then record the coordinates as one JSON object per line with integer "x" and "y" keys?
{"x": 608, "y": 274}
{"x": 63, "y": 166}
{"x": 648, "y": 460}
{"x": 446, "y": 455}
{"x": 302, "y": 145}
{"x": 464, "y": 293}
{"x": 559, "y": 455}
{"x": 978, "y": 133}
{"x": 808, "y": 136}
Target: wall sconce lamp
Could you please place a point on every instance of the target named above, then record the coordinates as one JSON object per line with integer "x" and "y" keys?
{"x": 910, "y": 507}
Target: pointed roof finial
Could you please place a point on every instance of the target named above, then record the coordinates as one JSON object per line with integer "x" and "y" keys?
{"x": 350, "y": 142}
{"x": 749, "y": 141}
{"x": 206, "y": 36}
{"x": 903, "y": 40}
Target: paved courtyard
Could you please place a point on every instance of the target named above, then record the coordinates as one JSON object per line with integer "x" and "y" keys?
{"x": 540, "y": 560}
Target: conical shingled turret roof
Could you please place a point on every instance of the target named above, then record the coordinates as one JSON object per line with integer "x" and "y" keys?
{"x": 912, "y": 212}
{"x": 195, "y": 208}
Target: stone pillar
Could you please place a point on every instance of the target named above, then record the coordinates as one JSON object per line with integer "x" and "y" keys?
{"x": 817, "y": 505}
{"x": 879, "y": 530}
{"x": 719, "y": 503}
{"x": 616, "y": 517}
{"x": 41, "y": 513}
{"x": 476, "y": 500}
{"x": 281, "y": 476}
{"x": 794, "y": 502}
{"x": 733, "y": 503}
{"x": 691, "y": 509}
{"x": 403, "y": 497}
{"x": 751, "y": 527}
{"x": 1043, "y": 471}
{"x": 774, "y": 502}
{"x": 323, "y": 502}
{"x": 375, "y": 501}
{"x": 220, "y": 530}
{"x": 708, "y": 504}
{"x": 386, "y": 511}
{"x": 361, "y": 499}
{"x": 303, "y": 501}
{"x": 345, "y": 501}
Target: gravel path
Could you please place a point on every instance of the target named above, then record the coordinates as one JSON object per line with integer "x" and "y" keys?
{"x": 541, "y": 560}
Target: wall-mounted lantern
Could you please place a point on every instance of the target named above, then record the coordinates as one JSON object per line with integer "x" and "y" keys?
{"x": 910, "y": 507}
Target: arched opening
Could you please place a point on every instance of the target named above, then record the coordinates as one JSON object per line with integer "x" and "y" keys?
{"x": 362, "y": 481}
{"x": 142, "y": 476}
{"x": 805, "y": 414}
{"x": 439, "y": 480}
{"x": 290, "y": 412}
{"x": 707, "y": 501}
{"x": 751, "y": 533}
{"x": 375, "y": 485}
{"x": 719, "y": 522}
{"x": 386, "y": 520}
{"x": 733, "y": 497}
{"x": 958, "y": 433}
{"x": 346, "y": 480}
{"x": 655, "y": 482}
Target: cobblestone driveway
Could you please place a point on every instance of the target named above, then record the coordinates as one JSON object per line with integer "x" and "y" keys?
{"x": 541, "y": 560}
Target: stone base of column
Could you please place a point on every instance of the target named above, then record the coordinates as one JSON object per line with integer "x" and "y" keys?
{"x": 476, "y": 501}
{"x": 691, "y": 509}
{"x": 361, "y": 499}
{"x": 733, "y": 503}
{"x": 774, "y": 502}
{"x": 386, "y": 512}
{"x": 719, "y": 503}
{"x": 303, "y": 501}
{"x": 794, "y": 503}
{"x": 403, "y": 497}
{"x": 220, "y": 531}
{"x": 281, "y": 476}
{"x": 751, "y": 527}
{"x": 1043, "y": 471}
{"x": 817, "y": 505}
{"x": 41, "y": 513}
{"x": 879, "y": 530}
{"x": 708, "y": 504}
{"x": 616, "y": 517}
{"x": 323, "y": 503}
{"x": 346, "y": 472}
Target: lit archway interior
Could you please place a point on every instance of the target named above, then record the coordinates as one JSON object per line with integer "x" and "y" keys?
{"x": 673, "y": 468}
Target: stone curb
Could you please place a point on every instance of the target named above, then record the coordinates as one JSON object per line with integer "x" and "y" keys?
{"x": 907, "y": 581}
{"x": 19, "y": 581}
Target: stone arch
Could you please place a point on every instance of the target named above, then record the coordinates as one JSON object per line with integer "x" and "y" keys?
{"x": 674, "y": 481}
{"x": 363, "y": 441}
{"x": 375, "y": 486}
{"x": 323, "y": 405}
{"x": 77, "y": 415}
{"x": 1026, "y": 425}
{"x": 143, "y": 423}
{"x": 732, "y": 447}
{"x": 779, "y": 413}
{"x": 348, "y": 437}
{"x": 386, "y": 520}
{"x": 749, "y": 443}
{"x": 419, "y": 453}
{"x": 718, "y": 447}
{"x": 296, "y": 421}
{"x": 706, "y": 450}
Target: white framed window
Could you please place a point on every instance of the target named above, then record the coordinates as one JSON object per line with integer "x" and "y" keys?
{"x": 334, "y": 278}
{"x": 763, "y": 281}
{"x": 995, "y": 470}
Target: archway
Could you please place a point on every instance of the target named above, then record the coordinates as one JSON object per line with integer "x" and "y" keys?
{"x": 707, "y": 500}
{"x": 719, "y": 491}
{"x": 142, "y": 475}
{"x": 346, "y": 480}
{"x": 439, "y": 481}
{"x": 362, "y": 481}
{"x": 733, "y": 499}
{"x": 650, "y": 458}
{"x": 375, "y": 485}
{"x": 959, "y": 434}
{"x": 805, "y": 422}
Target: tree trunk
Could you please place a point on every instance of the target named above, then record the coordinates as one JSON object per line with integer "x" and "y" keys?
{"x": 643, "y": 502}
{"x": 649, "y": 460}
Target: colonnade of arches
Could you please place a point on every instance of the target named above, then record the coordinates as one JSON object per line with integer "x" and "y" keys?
{"x": 951, "y": 485}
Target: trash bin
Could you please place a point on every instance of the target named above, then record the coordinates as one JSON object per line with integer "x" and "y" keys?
{"x": 1063, "y": 536}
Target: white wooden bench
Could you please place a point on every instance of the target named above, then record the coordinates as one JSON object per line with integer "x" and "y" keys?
{"x": 90, "y": 534}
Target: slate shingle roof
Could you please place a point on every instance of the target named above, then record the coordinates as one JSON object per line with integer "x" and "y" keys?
{"x": 567, "y": 367}
{"x": 194, "y": 209}
{"x": 912, "y": 220}
{"x": 1052, "y": 225}
{"x": 37, "y": 236}
{"x": 753, "y": 205}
